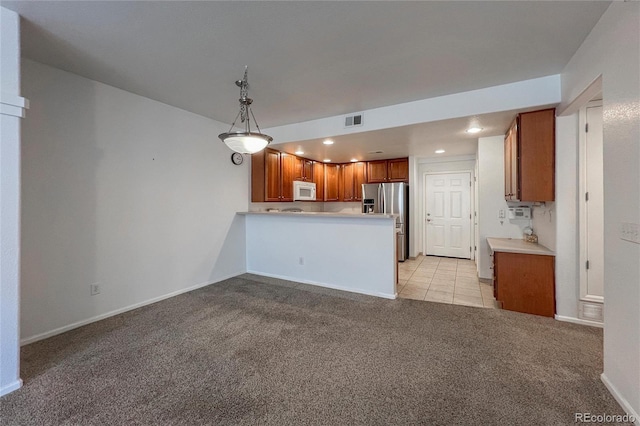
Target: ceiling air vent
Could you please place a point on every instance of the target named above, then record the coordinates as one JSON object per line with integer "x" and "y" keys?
{"x": 353, "y": 120}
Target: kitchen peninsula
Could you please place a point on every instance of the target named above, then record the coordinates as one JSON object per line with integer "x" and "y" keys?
{"x": 351, "y": 252}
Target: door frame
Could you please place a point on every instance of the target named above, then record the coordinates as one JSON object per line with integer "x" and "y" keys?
{"x": 582, "y": 208}
{"x": 472, "y": 208}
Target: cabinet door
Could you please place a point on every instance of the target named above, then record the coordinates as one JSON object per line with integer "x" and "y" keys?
{"x": 298, "y": 168}
{"x": 307, "y": 170}
{"x": 272, "y": 175}
{"x": 526, "y": 283}
{"x": 287, "y": 167}
{"x": 536, "y": 152}
{"x": 318, "y": 179}
{"x": 331, "y": 182}
{"x": 347, "y": 182}
{"x": 509, "y": 190}
{"x": 398, "y": 170}
{"x": 359, "y": 177}
{"x": 377, "y": 171}
{"x": 258, "y": 174}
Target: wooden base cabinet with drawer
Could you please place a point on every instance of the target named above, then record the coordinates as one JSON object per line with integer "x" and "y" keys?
{"x": 525, "y": 282}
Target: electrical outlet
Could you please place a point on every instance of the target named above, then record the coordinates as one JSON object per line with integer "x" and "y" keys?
{"x": 95, "y": 289}
{"x": 630, "y": 232}
{"x": 301, "y": 261}
{"x": 501, "y": 214}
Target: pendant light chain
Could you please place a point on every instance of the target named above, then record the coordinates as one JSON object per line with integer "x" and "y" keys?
{"x": 245, "y": 142}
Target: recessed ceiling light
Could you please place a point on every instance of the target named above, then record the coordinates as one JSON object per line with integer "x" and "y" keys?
{"x": 327, "y": 160}
{"x": 299, "y": 152}
{"x": 328, "y": 142}
{"x": 439, "y": 151}
{"x": 354, "y": 160}
{"x": 474, "y": 129}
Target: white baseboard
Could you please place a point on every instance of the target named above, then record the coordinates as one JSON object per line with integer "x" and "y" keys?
{"x": 621, "y": 400}
{"x": 11, "y": 387}
{"x": 332, "y": 286}
{"x": 60, "y": 330}
{"x": 579, "y": 321}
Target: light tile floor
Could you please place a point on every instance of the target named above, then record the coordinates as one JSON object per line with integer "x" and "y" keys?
{"x": 444, "y": 280}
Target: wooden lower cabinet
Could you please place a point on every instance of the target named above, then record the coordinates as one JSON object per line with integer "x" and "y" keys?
{"x": 525, "y": 282}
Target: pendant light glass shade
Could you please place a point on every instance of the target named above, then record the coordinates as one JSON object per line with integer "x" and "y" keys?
{"x": 246, "y": 142}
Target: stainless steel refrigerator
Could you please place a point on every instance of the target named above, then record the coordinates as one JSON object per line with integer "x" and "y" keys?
{"x": 390, "y": 198}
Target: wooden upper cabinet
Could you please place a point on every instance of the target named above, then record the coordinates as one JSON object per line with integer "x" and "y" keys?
{"x": 381, "y": 171}
{"x": 398, "y": 170}
{"x": 318, "y": 179}
{"x": 331, "y": 182}
{"x": 377, "y": 171}
{"x": 353, "y": 176}
{"x": 287, "y": 167}
{"x": 530, "y": 165}
{"x": 303, "y": 169}
{"x": 347, "y": 183}
{"x": 511, "y": 163}
{"x": 359, "y": 177}
{"x": 272, "y": 174}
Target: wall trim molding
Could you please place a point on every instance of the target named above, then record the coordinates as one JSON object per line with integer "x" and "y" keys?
{"x": 325, "y": 285}
{"x": 454, "y": 158}
{"x": 579, "y": 321}
{"x": 13, "y": 105}
{"x": 11, "y": 387}
{"x": 69, "y": 327}
{"x": 626, "y": 406}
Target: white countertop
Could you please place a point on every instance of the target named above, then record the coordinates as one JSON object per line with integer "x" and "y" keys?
{"x": 325, "y": 214}
{"x": 512, "y": 245}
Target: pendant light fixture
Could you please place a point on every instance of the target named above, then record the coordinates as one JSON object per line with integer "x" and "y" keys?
{"x": 245, "y": 142}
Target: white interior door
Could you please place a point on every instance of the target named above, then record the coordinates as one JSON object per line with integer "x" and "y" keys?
{"x": 594, "y": 206}
{"x": 448, "y": 215}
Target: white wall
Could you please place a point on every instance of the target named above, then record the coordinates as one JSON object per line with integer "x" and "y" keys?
{"x": 348, "y": 253}
{"x": 491, "y": 200}
{"x": 433, "y": 165}
{"x": 506, "y": 97}
{"x": 612, "y": 50}
{"x": 11, "y": 113}
{"x": 307, "y": 206}
{"x": 543, "y": 222}
{"x": 343, "y": 207}
{"x": 123, "y": 191}
{"x": 566, "y": 216}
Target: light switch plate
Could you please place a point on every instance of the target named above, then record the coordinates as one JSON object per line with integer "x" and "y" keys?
{"x": 630, "y": 232}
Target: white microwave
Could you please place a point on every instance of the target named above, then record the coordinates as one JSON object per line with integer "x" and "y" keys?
{"x": 304, "y": 191}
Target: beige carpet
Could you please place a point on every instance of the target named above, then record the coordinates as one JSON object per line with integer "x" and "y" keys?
{"x": 251, "y": 350}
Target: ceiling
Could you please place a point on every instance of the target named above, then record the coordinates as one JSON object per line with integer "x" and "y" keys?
{"x": 306, "y": 59}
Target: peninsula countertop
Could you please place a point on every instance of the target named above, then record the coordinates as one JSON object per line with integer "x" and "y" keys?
{"x": 514, "y": 245}
{"x": 325, "y": 214}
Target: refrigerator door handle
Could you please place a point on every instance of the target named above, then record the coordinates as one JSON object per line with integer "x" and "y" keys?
{"x": 381, "y": 199}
